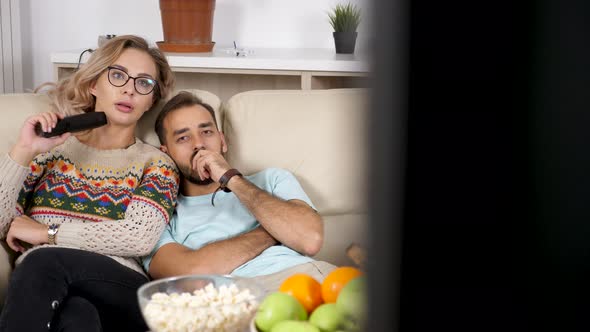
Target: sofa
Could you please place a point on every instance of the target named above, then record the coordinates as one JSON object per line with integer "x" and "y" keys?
{"x": 318, "y": 135}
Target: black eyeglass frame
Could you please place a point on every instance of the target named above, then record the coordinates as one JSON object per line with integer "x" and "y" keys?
{"x": 128, "y": 78}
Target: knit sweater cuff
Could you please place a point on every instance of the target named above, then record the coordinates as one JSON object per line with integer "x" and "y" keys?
{"x": 12, "y": 174}
{"x": 69, "y": 235}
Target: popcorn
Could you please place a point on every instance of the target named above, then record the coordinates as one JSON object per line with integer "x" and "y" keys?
{"x": 206, "y": 309}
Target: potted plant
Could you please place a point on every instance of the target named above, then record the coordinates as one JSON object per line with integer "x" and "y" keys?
{"x": 344, "y": 20}
{"x": 187, "y": 25}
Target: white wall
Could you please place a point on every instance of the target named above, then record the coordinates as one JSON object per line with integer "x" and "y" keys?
{"x": 57, "y": 25}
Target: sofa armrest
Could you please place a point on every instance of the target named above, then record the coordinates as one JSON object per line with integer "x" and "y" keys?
{"x": 340, "y": 231}
{"x": 6, "y": 259}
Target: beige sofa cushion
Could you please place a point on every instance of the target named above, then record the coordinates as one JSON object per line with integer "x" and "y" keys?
{"x": 15, "y": 108}
{"x": 21, "y": 106}
{"x": 319, "y": 135}
{"x": 145, "y": 128}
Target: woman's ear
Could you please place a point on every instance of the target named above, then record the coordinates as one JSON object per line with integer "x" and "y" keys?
{"x": 93, "y": 88}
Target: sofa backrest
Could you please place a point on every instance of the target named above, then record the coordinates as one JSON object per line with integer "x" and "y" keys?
{"x": 319, "y": 135}
{"x": 14, "y": 109}
{"x": 20, "y": 106}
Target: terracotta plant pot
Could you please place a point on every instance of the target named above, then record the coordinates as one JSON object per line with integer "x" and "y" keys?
{"x": 187, "y": 25}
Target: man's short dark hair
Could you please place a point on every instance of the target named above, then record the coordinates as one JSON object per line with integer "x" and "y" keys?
{"x": 182, "y": 99}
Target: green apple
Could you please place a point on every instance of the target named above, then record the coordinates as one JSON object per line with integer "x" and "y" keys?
{"x": 328, "y": 317}
{"x": 294, "y": 326}
{"x": 352, "y": 299}
{"x": 277, "y": 307}
{"x": 351, "y": 325}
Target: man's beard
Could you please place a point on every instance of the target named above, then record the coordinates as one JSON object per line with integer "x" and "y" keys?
{"x": 187, "y": 173}
{"x": 193, "y": 178}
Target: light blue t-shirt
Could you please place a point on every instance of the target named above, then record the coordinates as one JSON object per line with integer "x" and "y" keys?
{"x": 196, "y": 223}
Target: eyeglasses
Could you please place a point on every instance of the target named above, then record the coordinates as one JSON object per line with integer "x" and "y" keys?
{"x": 118, "y": 78}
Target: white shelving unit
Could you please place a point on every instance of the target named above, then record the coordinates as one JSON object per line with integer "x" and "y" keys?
{"x": 225, "y": 74}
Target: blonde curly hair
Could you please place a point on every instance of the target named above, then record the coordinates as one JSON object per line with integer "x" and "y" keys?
{"x": 72, "y": 94}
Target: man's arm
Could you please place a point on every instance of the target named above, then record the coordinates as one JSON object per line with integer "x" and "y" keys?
{"x": 219, "y": 257}
{"x": 293, "y": 223}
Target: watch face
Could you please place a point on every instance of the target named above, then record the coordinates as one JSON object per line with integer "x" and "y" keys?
{"x": 52, "y": 229}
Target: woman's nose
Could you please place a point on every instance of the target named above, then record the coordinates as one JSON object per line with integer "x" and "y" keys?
{"x": 129, "y": 87}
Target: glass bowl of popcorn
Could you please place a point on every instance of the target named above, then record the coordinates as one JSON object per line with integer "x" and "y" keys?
{"x": 199, "y": 303}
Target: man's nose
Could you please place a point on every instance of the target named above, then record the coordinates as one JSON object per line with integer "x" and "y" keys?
{"x": 196, "y": 148}
{"x": 198, "y": 144}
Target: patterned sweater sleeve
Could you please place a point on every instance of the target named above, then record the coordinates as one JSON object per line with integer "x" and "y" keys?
{"x": 146, "y": 217}
{"x": 12, "y": 177}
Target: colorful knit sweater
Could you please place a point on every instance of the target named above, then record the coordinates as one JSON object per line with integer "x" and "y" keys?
{"x": 112, "y": 202}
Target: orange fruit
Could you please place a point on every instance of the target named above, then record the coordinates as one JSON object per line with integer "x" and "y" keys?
{"x": 337, "y": 279}
{"x": 305, "y": 289}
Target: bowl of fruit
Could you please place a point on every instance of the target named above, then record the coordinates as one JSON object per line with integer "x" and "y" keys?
{"x": 199, "y": 303}
{"x": 303, "y": 304}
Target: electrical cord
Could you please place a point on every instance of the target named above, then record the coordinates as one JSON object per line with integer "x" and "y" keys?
{"x": 81, "y": 54}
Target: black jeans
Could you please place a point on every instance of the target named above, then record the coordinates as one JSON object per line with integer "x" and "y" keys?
{"x": 60, "y": 289}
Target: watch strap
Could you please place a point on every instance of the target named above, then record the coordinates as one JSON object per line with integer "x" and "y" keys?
{"x": 51, "y": 233}
{"x": 224, "y": 179}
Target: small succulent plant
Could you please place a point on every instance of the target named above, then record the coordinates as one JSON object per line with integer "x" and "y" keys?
{"x": 345, "y": 18}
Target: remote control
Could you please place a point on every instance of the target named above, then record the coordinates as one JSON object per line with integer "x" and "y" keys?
{"x": 74, "y": 123}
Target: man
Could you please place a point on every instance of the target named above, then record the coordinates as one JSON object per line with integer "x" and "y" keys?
{"x": 262, "y": 225}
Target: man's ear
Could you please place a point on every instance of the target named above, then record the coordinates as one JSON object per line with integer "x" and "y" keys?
{"x": 164, "y": 149}
{"x": 223, "y": 144}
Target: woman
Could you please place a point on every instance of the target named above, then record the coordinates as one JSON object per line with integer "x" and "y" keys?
{"x": 92, "y": 203}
